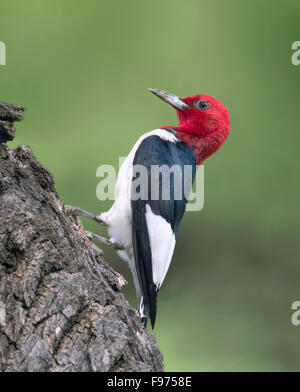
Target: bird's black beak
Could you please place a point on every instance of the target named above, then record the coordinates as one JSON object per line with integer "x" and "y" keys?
{"x": 171, "y": 99}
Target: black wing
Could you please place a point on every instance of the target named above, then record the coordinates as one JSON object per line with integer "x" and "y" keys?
{"x": 156, "y": 151}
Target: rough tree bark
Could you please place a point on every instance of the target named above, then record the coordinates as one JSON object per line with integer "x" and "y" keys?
{"x": 64, "y": 308}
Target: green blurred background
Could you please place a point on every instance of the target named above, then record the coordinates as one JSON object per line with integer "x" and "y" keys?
{"x": 83, "y": 69}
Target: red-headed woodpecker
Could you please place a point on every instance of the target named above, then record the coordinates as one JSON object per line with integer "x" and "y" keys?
{"x": 144, "y": 230}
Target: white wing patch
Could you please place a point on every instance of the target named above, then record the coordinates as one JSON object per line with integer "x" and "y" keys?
{"x": 162, "y": 243}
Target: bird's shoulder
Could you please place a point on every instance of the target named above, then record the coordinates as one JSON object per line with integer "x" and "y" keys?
{"x": 165, "y": 160}
{"x": 162, "y": 147}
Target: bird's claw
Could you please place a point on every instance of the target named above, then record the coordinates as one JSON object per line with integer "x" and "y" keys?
{"x": 104, "y": 240}
{"x": 77, "y": 211}
{"x": 115, "y": 245}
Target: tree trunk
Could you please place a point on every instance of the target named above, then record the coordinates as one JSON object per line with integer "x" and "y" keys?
{"x": 62, "y": 302}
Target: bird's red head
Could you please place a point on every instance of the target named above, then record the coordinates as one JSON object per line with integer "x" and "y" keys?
{"x": 203, "y": 122}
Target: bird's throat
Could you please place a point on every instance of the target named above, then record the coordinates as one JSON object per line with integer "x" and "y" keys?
{"x": 202, "y": 147}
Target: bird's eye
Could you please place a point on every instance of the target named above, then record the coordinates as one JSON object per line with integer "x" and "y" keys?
{"x": 202, "y": 104}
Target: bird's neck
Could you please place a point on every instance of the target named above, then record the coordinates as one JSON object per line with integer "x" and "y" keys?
{"x": 202, "y": 147}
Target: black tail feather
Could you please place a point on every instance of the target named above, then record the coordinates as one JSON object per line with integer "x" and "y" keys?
{"x": 143, "y": 263}
{"x": 150, "y": 311}
{"x": 153, "y": 307}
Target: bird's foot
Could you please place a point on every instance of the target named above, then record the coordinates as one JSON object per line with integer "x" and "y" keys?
{"x": 144, "y": 321}
{"x": 110, "y": 242}
{"x": 77, "y": 211}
